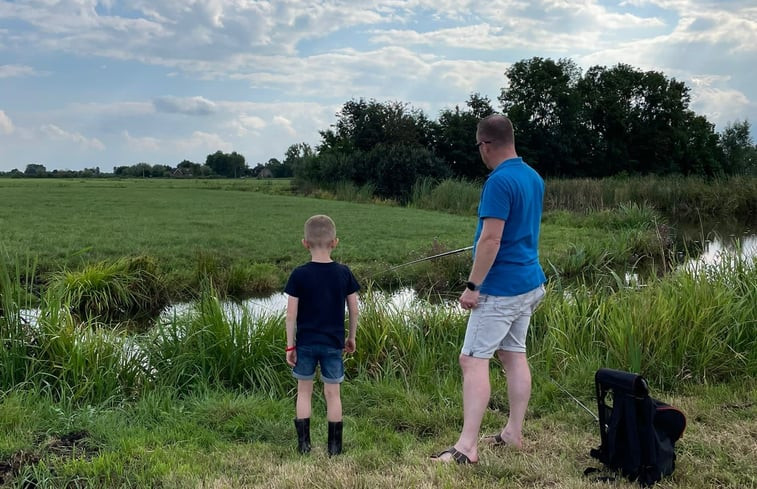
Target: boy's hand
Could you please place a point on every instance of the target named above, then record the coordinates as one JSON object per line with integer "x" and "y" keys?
{"x": 292, "y": 358}
{"x": 349, "y": 345}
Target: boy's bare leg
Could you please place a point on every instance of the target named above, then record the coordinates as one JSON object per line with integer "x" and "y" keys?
{"x": 304, "y": 396}
{"x": 518, "y": 394}
{"x": 333, "y": 402}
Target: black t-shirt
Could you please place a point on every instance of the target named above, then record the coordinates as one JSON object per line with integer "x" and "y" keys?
{"x": 322, "y": 289}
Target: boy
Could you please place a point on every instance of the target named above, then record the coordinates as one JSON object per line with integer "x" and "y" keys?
{"x": 315, "y": 310}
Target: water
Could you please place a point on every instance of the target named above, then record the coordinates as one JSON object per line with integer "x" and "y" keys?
{"x": 401, "y": 301}
{"x": 717, "y": 250}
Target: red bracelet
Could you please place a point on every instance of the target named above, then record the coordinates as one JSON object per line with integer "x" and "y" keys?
{"x": 290, "y": 348}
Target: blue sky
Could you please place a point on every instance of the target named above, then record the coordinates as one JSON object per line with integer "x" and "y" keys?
{"x": 87, "y": 83}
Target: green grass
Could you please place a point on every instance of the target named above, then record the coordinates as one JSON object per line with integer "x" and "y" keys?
{"x": 203, "y": 400}
{"x": 181, "y": 223}
{"x": 215, "y": 438}
{"x": 244, "y": 235}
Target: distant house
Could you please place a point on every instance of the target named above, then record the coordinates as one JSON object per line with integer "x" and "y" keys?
{"x": 265, "y": 173}
{"x": 178, "y": 173}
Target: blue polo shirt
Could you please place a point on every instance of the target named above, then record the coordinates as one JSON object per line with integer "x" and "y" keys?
{"x": 513, "y": 192}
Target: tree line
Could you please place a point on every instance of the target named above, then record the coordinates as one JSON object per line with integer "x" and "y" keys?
{"x": 604, "y": 122}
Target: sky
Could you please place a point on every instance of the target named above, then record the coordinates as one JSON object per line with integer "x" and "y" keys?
{"x": 105, "y": 83}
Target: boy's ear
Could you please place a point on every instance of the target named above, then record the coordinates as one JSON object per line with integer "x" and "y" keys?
{"x": 334, "y": 242}
{"x": 305, "y": 244}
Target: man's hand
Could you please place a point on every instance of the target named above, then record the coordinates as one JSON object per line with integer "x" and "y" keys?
{"x": 349, "y": 345}
{"x": 469, "y": 299}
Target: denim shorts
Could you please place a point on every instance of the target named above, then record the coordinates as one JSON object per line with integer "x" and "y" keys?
{"x": 500, "y": 323}
{"x": 329, "y": 358}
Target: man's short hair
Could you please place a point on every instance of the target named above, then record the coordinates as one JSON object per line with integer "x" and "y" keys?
{"x": 320, "y": 230}
{"x": 496, "y": 129}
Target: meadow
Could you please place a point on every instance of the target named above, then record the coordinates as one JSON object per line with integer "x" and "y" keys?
{"x": 245, "y": 234}
{"x": 205, "y": 400}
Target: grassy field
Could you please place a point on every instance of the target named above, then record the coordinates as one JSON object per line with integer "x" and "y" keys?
{"x": 206, "y": 401}
{"x": 190, "y": 227}
{"x": 216, "y": 439}
{"x": 215, "y": 407}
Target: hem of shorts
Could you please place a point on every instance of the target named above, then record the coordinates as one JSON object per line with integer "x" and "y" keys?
{"x": 333, "y": 381}
{"x": 478, "y": 355}
{"x": 303, "y": 377}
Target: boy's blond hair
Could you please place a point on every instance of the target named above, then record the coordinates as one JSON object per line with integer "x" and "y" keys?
{"x": 320, "y": 231}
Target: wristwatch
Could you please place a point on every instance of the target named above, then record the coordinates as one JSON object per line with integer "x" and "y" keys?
{"x": 471, "y": 286}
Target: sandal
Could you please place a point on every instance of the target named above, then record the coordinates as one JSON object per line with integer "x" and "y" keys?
{"x": 494, "y": 440}
{"x": 457, "y": 456}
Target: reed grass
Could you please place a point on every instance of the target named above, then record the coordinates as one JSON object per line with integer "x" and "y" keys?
{"x": 111, "y": 292}
{"x": 208, "y": 345}
{"x": 451, "y": 195}
{"x": 687, "y": 326}
{"x": 723, "y": 197}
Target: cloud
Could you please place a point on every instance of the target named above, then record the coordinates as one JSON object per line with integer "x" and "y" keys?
{"x": 721, "y": 106}
{"x": 13, "y": 71}
{"x": 199, "y": 140}
{"x": 286, "y": 124}
{"x": 56, "y": 133}
{"x": 142, "y": 143}
{"x": 6, "y": 125}
{"x": 186, "y": 105}
{"x": 245, "y": 124}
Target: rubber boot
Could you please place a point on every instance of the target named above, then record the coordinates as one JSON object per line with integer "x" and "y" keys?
{"x": 303, "y": 434}
{"x": 335, "y": 438}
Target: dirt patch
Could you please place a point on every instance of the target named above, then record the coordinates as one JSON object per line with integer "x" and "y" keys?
{"x": 75, "y": 444}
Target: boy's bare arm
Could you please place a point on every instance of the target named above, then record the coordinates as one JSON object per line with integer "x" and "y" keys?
{"x": 352, "y": 310}
{"x": 291, "y": 325}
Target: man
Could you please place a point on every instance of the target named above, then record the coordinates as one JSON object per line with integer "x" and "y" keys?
{"x": 505, "y": 285}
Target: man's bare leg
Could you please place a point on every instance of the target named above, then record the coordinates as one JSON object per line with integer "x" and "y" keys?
{"x": 476, "y": 392}
{"x": 518, "y": 394}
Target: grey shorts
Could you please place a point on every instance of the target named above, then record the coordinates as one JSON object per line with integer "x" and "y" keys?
{"x": 500, "y": 323}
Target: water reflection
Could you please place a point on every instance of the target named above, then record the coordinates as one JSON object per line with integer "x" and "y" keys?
{"x": 717, "y": 251}
{"x": 400, "y": 300}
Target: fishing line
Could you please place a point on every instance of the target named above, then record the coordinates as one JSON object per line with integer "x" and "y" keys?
{"x": 419, "y": 260}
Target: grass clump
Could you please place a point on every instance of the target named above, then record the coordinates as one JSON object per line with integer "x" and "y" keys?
{"x": 128, "y": 289}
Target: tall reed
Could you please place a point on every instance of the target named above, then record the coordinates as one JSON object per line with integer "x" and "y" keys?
{"x": 688, "y": 326}
{"x": 213, "y": 345}
{"x": 730, "y": 197}
{"x": 451, "y": 195}
{"x": 15, "y": 333}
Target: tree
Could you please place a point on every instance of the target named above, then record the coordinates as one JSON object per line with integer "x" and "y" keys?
{"x": 362, "y": 125}
{"x": 192, "y": 169}
{"x": 35, "y": 170}
{"x": 639, "y": 122}
{"x": 228, "y": 165}
{"x": 455, "y": 137}
{"x": 739, "y": 151}
{"x": 542, "y": 103}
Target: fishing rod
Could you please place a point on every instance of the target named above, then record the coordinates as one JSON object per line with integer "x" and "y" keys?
{"x": 446, "y": 253}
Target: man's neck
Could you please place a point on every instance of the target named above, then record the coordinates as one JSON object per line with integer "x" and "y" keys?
{"x": 503, "y": 156}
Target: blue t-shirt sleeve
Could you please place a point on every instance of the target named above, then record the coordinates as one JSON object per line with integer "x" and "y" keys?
{"x": 495, "y": 200}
